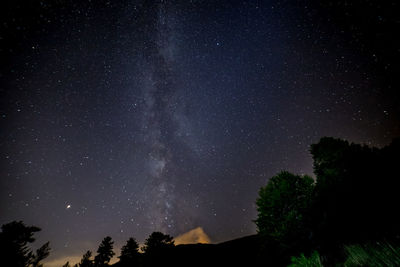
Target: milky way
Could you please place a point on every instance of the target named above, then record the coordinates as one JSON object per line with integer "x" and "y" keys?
{"x": 159, "y": 122}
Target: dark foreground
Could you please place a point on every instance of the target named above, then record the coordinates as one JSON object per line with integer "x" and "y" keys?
{"x": 238, "y": 252}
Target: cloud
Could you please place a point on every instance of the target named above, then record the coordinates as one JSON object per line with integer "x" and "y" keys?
{"x": 194, "y": 236}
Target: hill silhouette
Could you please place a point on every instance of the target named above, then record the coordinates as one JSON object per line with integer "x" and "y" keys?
{"x": 242, "y": 251}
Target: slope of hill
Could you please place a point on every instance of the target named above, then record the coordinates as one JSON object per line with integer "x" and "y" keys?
{"x": 238, "y": 252}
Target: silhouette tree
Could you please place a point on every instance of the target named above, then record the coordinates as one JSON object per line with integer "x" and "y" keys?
{"x": 86, "y": 260}
{"x": 14, "y": 250}
{"x": 104, "y": 252}
{"x": 388, "y": 187}
{"x": 41, "y": 253}
{"x": 157, "y": 248}
{"x": 129, "y": 252}
{"x": 353, "y": 200}
{"x": 157, "y": 243}
{"x": 356, "y": 191}
{"x": 66, "y": 264}
{"x": 282, "y": 207}
{"x": 335, "y": 165}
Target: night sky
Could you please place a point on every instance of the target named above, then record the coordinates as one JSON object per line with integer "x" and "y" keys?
{"x": 126, "y": 117}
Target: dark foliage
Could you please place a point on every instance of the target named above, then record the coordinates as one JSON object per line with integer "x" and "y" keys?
{"x": 157, "y": 243}
{"x": 14, "y": 250}
{"x": 86, "y": 260}
{"x": 157, "y": 248}
{"x": 130, "y": 253}
{"x": 355, "y": 196}
{"x": 104, "y": 252}
{"x": 353, "y": 201}
{"x": 41, "y": 253}
{"x": 239, "y": 252}
{"x": 282, "y": 207}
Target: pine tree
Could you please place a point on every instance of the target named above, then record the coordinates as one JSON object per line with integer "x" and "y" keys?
{"x": 129, "y": 252}
{"x": 14, "y": 250}
{"x": 158, "y": 242}
{"x": 104, "y": 252}
{"x": 86, "y": 261}
{"x": 41, "y": 253}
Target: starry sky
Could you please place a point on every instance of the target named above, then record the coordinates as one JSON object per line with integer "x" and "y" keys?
{"x": 126, "y": 117}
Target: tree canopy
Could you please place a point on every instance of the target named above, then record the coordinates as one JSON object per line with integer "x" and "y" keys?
{"x": 14, "y": 249}
{"x": 355, "y": 194}
{"x": 130, "y": 252}
{"x": 282, "y": 204}
{"x": 104, "y": 252}
{"x": 158, "y": 242}
{"x": 86, "y": 260}
{"x": 353, "y": 200}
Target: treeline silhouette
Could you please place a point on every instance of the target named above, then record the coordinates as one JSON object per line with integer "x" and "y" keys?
{"x": 353, "y": 203}
{"x": 346, "y": 216}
